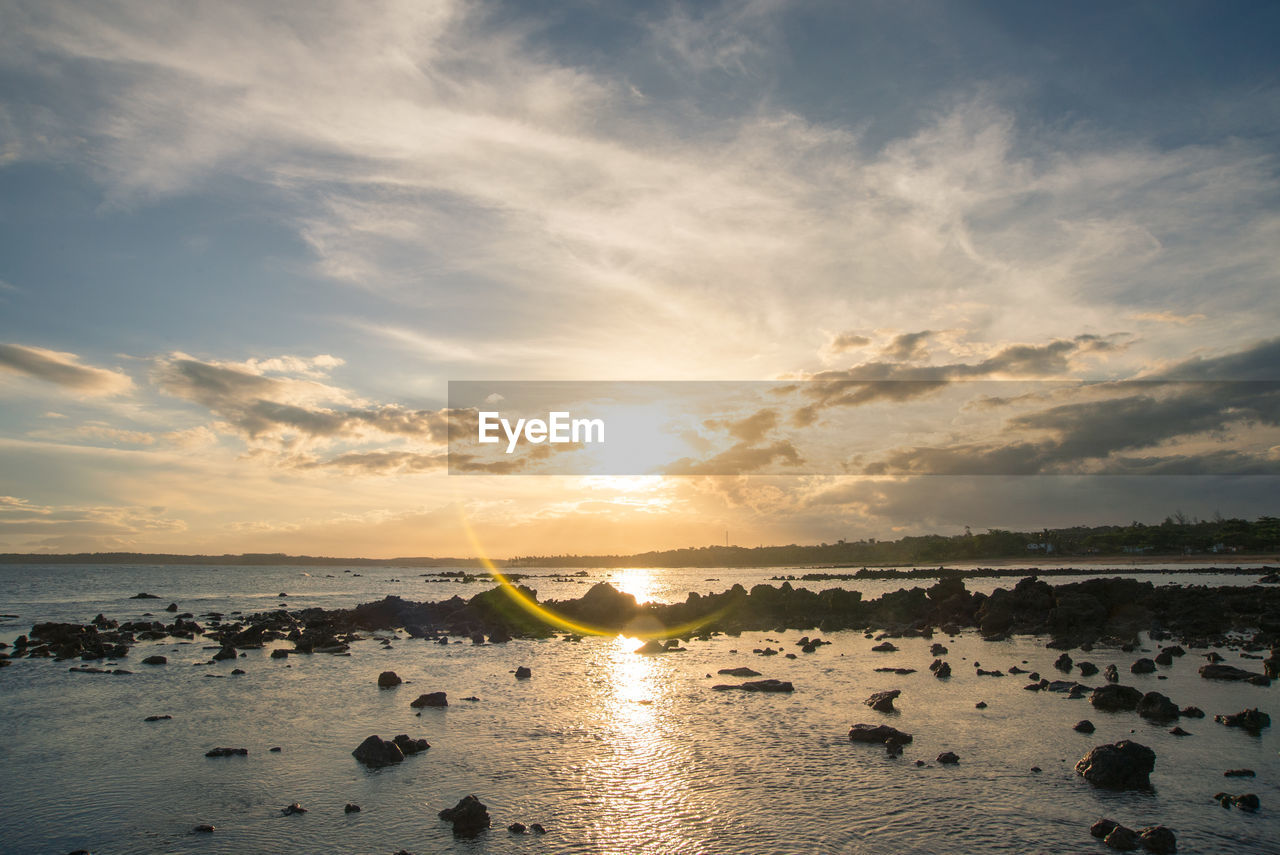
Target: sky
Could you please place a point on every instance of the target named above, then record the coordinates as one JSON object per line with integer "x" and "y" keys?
{"x": 244, "y": 248}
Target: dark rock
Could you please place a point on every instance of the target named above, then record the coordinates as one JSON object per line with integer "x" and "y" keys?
{"x": 376, "y": 752}
{"x": 226, "y": 752}
{"x": 351, "y": 808}
{"x": 898, "y": 671}
{"x": 1232, "y": 673}
{"x": 738, "y": 672}
{"x": 389, "y": 680}
{"x": 408, "y": 745}
{"x": 144, "y": 596}
{"x": 883, "y": 701}
{"x": 516, "y": 828}
{"x": 1084, "y": 726}
{"x": 1158, "y": 839}
{"x": 225, "y": 653}
{"x": 431, "y": 699}
{"x": 1246, "y": 801}
{"x": 293, "y": 809}
{"x": 937, "y": 650}
{"x": 1122, "y": 839}
{"x": 1238, "y": 773}
{"x": 1087, "y": 669}
{"x": 757, "y": 686}
{"x": 236, "y": 672}
{"x": 1110, "y": 674}
{"x": 981, "y": 705}
{"x": 1063, "y": 662}
{"x": 1156, "y": 707}
{"x": 280, "y": 653}
{"x": 877, "y": 733}
{"x": 203, "y": 829}
{"x": 948, "y": 758}
{"x": 1122, "y": 765}
{"x": 885, "y": 647}
{"x": 469, "y": 817}
{"x": 1102, "y": 828}
{"x": 523, "y": 673}
{"x": 940, "y": 669}
{"x": 1164, "y": 658}
{"x": 1178, "y": 731}
{"x": 536, "y": 828}
{"x": 158, "y": 718}
{"x": 1251, "y": 720}
{"x": 1192, "y": 712}
{"x": 1115, "y": 698}
{"x": 155, "y": 660}
{"x": 276, "y": 749}
{"x": 1143, "y": 666}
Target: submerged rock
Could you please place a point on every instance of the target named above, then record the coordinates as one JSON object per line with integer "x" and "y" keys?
{"x": 1084, "y": 726}
{"x": 1123, "y": 765}
{"x": 469, "y": 817}
{"x": 377, "y": 752}
{"x": 878, "y": 734}
{"x": 1158, "y": 839}
{"x": 292, "y": 809}
{"x": 885, "y": 647}
{"x": 1251, "y": 720}
{"x": 1143, "y": 666}
{"x": 948, "y": 758}
{"x": 431, "y": 699}
{"x": 409, "y": 745}
{"x": 883, "y": 701}
{"x": 389, "y": 680}
{"x": 1115, "y": 698}
{"x": 155, "y": 660}
{"x": 351, "y": 808}
{"x": 226, "y": 752}
{"x": 756, "y": 686}
{"x": 738, "y": 672}
{"x": 1157, "y": 707}
{"x": 1232, "y": 673}
{"x": 1246, "y": 801}
{"x": 523, "y": 673}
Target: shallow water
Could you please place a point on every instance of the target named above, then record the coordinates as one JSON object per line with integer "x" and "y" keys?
{"x": 610, "y": 750}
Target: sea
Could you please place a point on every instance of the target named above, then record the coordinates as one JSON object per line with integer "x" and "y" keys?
{"x": 611, "y": 751}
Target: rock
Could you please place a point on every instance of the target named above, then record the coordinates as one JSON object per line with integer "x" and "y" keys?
{"x": 1063, "y": 663}
{"x": 980, "y": 705}
{"x": 885, "y": 647}
{"x": 408, "y": 745}
{"x": 1251, "y": 720}
{"x": 431, "y": 699}
{"x": 940, "y": 669}
{"x": 1143, "y": 666}
{"x": 376, "y": 752}
{"x": 226, "y": 752}
{"x": 1087, "y": 669}
{"x": 1164, "y": 659}
{"x": 158, "y": 718}
{"x": 883, "y": 701}
{"x": 937, "y": 649}
{"x": 948, "y": 758}
{"x": 276, "y": 749}
{"x": 1122, "y": 839}
{"x": 155, "y": 660}
{"x": 469, "y": 817}
{"x": 1247, "y": 801}
{"x": 293, "y": 809}
{"x": 1178, "y": 731}
{"x": 389, "y": 680}
{"x": 351, "y": 808}
{"x": 1102, "y": 828}
{"x": 878, "y": 734}
{"x": 523, "y": 673}
{"x": 1192, "y": 712}
{"x": 738, "y": 672}
{"x": 536, "y": 828}
{"x": 757, "y": 686}
{"x": 202, "y": 829}
{"x": 280, "y": 653}
{"x": 1232, "y": 673}
{"x": 1084, "y": 726}
{"x": 1158, "y": 839}
{"x": 1123, "y": 765}
{"x": 236, "y": 672}
{"x": 225, "y": 653}
{"x": 144, "y": 596}
{"x": 1238, "y": 773}
{"x": 1115, "y": 698}
{"x": 516, "y": 828}
{"x": 172, "y": 607}
{"x": 1157, "y": 707}
{"x": 1110, "y": 674}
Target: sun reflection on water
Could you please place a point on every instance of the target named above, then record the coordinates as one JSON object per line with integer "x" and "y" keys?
{"x": 639, "y": 582}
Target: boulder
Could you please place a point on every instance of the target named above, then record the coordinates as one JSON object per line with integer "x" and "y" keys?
{"x": 1158, "y": 839}
{"x": 293, "y": 809}
{"x": 225, "y": 653}
{"x": 1063, "y": 663}
{"x": 431, "y": 699}
{"x": 280, "y": 653}
{"x": 883, "y": 701}
{"x": 756, "y": 686}
{"x": 1164, "y": 658}
{"x": 1084, "y": 726}
{"x": 1121, "y": 839}
{"x": 389, "y": 680}
{"x": 155, "y": 660}
{"x": 408, "y": 745}
{"x": 1110, "y": 674}
{"x": 1102, "y": 828}
{"x": 738, "y": 672}
{"x": 1246, "y": 801}
{"x": 1251, "y": 720}
{"x": 376, "y": 752}
{"x": 885, "y": 647}
{"x": 351, "y": 808}
{"x": 948, "y": 758}
{"x": 1123, "y": 765}
{"x": 469, "y": 817}
{"x": 878, "y": 734}
{"x": 1192, "y": 712}
{"x": 226, "y": 752}
{"x": 1143, "y": 666}
{"x": 1239, "y": 773}
{"x": 158, "y": 718}
{"x": 1157, "y": 707}
{"x": 523, "y": 673}
{"x": 1230, "y": 672}
{"x": 1087, "y": 669}
{"x": 1115, "y": 698}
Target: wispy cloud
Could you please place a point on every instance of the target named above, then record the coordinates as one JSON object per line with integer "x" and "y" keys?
{"x": 62, "y": 369}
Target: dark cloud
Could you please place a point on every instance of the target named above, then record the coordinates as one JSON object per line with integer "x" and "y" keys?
{"x": 1258, "y": 362}
{"x": 741, "y": 459}
{"x": 848, "y": 341}
{"x": 62, "y": 369}
{"x": 751, "y": 429}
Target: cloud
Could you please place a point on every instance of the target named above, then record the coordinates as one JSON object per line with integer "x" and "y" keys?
{"x": 1168, "y": 317}
{"x": 847, "y": 341}
{"x": 743, "y": 458}
{"x": 62, "y": 369}
{"x": 750, "y": 429}
{"x": 907, "y": 347}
